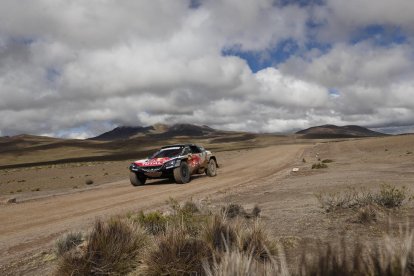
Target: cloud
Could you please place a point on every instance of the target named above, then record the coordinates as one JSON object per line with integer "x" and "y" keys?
{"x": 78, "y": 68}
{"x": 374, "y": 84}
{"x": 341, "y": 19}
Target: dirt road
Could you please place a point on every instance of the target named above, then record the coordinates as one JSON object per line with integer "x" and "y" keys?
{"x": 30, "y": 227}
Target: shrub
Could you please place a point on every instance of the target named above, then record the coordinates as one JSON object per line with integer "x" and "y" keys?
{"x": 219, "y": 234}
{"x": 233, "y": 210}
{"x": 154, "y": 222}
{"x": 391, "y": 196}
{"x": 112, "y": 248}
{"x": 332, "y": 260}
{"x": 392, "y": 256}
{"x": 367, "y": 214}
{"x": 176, "y": 254}
{"x": 190, "y": 207}
{"x": 256, "y": 242}
{"x": 68, "y": 242}
{"x": 88, "y": 181}
{"x": 327, "y": 161}
{"x": 239, "y": 263}
{"x": 319, "y": 166}
{"x": 350, "y": 198}
{"x": 188, "y": 217}
{"x": 256, "y": 211}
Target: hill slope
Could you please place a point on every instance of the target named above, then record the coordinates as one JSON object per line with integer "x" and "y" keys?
{"x": 332, "y": 131}
{"x": 158, "y": 130}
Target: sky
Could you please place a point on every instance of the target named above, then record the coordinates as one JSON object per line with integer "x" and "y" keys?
{"x": 75, "y": 68}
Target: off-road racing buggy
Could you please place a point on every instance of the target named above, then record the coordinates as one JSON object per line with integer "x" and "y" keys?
{"x": 176, "y": 162}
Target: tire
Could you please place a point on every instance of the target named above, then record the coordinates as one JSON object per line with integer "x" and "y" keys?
{"x": 211, "y": 168}
{"x": 136, "y": 179}
{"x": 182, "y": 173}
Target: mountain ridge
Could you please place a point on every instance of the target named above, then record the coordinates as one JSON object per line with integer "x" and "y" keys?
{"x": 332, "y": 131}
{"x": 157, "y": 130}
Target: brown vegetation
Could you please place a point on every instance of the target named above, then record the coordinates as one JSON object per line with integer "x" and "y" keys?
{"x": 222, "y": 246}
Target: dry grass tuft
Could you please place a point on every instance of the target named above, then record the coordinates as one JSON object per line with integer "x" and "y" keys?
{"x": 112, "y": 248}
{"x": 319, "y": 166}
{"x": 327, "y": 161}
{"x": 257, "y": 242}
{"x": 332, "y": 260}
{"x": 176, "y": 253}
{"x": 219, "y": 234}
{"x": 392, "y": 256}
{"x": 256, "y": 211}
{"x": 154, "y": 222}
{"x": 190, "y": 207}
{"x": 68, "y": 242}
{"x": 242, "y": 264}
{"x": 233, "y": 210}
{"x": 388, "y": 196}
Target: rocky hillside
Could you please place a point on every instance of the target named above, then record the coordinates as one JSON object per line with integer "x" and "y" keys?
{"x": 332, "y": 131}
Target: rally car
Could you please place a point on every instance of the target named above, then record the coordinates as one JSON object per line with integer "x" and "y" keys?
{"x": 176, "y": 162}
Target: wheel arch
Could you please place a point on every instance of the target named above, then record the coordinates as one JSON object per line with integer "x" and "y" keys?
{"x": 215, "y": 160}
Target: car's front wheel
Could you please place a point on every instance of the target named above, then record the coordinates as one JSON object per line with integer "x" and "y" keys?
{"x": 182, "y": 173}
{"x": 137, "y": 179}
{"x": 211, "y": 168}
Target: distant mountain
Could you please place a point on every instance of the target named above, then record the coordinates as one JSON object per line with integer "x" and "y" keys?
{"x": 122, "y": 132}
{"x": 157, "y": 130}
{"x": 332, "y": 131}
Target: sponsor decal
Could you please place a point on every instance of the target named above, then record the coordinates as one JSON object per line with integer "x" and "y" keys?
{"x": 152, "y": 162}
{"x": 194, "y": 161}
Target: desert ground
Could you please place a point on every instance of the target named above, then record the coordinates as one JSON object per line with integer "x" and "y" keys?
{"x": 54, "y": 199}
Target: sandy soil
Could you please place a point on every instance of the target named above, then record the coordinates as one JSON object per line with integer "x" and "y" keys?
{"x": 256, "y": 176}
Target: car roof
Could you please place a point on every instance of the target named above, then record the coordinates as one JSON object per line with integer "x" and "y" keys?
{"x": 179, "y": 145}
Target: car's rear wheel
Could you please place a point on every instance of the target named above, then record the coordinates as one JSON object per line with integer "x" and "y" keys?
{"x": 137, "y": 179}
{"x": 211, "y": 168}
{"x": 182, "y": 173}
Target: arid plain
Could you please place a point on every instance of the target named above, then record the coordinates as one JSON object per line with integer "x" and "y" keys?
{"x": 53, "y": 199}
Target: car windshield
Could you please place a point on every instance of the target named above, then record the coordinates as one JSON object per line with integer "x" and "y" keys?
{"x": 169, "y": 152}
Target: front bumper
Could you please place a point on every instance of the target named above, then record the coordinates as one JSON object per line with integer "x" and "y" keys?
{"x": 163, "y": 171}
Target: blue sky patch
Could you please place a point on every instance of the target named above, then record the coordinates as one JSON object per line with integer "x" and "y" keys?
{"x": 258, "y": 60}
{"x": 380, "y": 35}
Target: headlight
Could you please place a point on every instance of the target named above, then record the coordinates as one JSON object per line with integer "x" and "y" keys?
{"x": 172, "y": 163}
